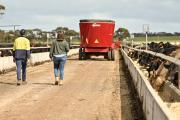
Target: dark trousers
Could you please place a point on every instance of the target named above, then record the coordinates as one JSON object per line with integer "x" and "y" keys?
{"x": 21, "y": 67}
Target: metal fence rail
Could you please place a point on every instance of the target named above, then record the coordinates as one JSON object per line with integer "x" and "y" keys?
{"x": 6, "y": 63}
{"x": 165, "y": 57}
{"x": 10, "y": 48}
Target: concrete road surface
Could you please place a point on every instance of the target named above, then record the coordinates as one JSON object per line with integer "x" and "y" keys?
{"x": 92, "y": 90}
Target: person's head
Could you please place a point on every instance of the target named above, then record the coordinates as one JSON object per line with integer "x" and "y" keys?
{"x": 60, "y": 37}
{"x": 22, "y": 32}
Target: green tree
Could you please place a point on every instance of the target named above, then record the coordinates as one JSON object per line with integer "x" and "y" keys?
{"x": 2, "y": 36}
{"x": 67, "y": 31}
{"x": 2, "y": 9}
{"x": 122, "y": 33}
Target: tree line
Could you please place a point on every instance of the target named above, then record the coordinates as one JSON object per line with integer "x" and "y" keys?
{"x": 123, "y": 33}
{"x": 36, "y": 35}
{"x": 157, "y": 34}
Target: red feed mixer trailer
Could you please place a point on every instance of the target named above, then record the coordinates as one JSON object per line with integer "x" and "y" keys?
{"x": 96, "y": 38}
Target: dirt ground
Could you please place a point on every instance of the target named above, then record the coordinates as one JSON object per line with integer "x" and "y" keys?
{"x": 94, "y": 89}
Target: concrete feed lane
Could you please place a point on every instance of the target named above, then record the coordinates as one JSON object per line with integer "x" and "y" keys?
{"x": 91, "y": 91}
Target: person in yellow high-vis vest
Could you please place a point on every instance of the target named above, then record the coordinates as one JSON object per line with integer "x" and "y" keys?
{"x": 21, "y": 54}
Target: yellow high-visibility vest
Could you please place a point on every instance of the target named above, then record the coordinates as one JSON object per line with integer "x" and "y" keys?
{"x": 21, "y": 43}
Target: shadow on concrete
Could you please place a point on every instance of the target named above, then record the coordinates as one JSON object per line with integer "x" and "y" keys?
{"x": 7, "y": 83}
{"x": 131, "y": 107}
{"x": 90, "y": 59}
{"x": 43, "y": 83}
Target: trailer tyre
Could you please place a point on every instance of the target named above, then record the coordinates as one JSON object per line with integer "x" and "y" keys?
{"x": 88, "y": 56}
{"x": 84, "y": 55}
{"x": 112, "y": 55}
{"x": 105, "y": 56}
{"x": 109, "y": 55}
{"x": 80, "y": 54}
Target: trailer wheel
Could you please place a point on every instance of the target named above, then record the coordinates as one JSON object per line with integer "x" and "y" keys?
{"x": 105, "y": 56}
{"x": 87, "y": 56}
{"x": 80, "y": 53}
{"x": 112, "y": 55}
{"x": 84, "y": 55}
{"x": 109, "y": 55}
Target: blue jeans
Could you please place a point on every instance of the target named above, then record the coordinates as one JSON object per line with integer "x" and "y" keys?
{"x": 59, "y": 63}
{"x": 21, "y": 67}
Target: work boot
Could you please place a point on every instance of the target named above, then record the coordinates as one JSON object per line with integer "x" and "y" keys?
{"x": 18, "y": 82}
{"x": 61, "y": 82}
{"x": 56, "y": 80}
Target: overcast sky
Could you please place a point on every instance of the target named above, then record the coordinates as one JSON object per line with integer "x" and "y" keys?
{"x": 161, "y": 15}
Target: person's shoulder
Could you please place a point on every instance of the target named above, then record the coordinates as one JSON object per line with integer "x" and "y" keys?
{"x": 65, "y": 41}
{"x": 54, "y": 41}
{"x": 25, "y": 39}
{"x": 17, "y": 39}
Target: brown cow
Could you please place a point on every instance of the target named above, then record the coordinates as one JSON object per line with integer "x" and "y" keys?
{"x": 165, "y": 71}
{"x": 158, "y": 79}
{"x": 174, "y": 69}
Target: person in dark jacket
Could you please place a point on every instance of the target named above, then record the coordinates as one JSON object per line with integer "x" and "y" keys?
{"x": 58, "y": 53}
{"x": 21, "y": 53}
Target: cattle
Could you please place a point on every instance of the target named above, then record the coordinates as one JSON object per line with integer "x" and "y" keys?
{"x": 164, "y": 48}
{"x": 146, "y": 59}
{"x": 154, "y": 65}
{"x": 4, "y": 53}
{"x": 173, "y": 69}
{"x": 156, "y": 47}
{"x": 159, "y": 70}
{"x": 158, "y": 79}
{"x": 173, "y": 73}
{"x": 166, "y": 71}
{"x": 133, "y": 54}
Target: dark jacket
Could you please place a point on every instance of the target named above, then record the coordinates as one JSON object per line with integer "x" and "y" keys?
{"x": 58, "y": 47}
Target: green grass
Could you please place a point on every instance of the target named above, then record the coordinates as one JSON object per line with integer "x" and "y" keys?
{"x": 75, "y": 42}
{"x": 158, "y": 39}
{"x": 43, "y": 43}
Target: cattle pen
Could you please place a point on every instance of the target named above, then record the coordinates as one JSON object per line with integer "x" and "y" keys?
{"x": 157, "y": 105}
